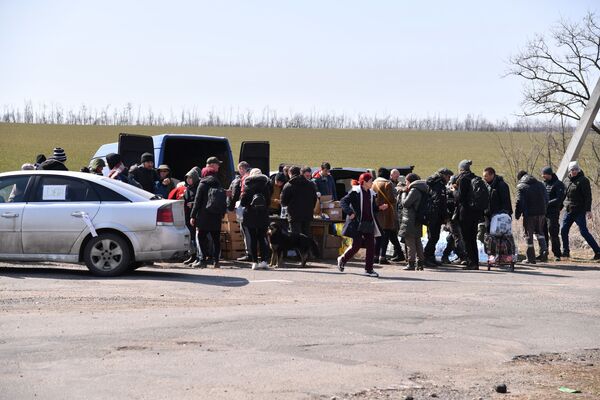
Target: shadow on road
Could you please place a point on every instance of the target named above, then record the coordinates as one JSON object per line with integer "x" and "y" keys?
{"x": 571, "y": 267}
{"x": 141, "y": 275}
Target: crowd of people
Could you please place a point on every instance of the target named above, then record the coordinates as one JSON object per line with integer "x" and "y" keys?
{"x": 382, "y": 207}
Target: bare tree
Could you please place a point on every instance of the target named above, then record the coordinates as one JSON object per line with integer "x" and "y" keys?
{"x": 518, "y": 157}
{"x": 559, "y": 69}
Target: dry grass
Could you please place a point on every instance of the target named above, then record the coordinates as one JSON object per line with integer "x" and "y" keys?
{"x": 427, "y": 150}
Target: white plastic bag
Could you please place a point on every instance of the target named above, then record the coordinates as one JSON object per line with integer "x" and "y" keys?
{"x": 239, "y": 212}
{"x": 501, "y": 224}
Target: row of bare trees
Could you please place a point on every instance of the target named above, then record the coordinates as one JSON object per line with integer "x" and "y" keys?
{"x": 268, "y": 118}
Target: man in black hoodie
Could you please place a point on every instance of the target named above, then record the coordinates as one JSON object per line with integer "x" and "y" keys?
{"x": 299, "y": 195}
{"x": 145, "y": 174}
{"x": 499, "y": 196}
{"x": 578, "y": 204}
{"x": 556, "y": 194}
{"x": 472, "y": 201}
{"x": 532, "y": 200}
{"x": 438, "y": 214}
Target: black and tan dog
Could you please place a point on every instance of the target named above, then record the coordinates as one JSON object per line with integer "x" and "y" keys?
{"x": 281, "y": 242}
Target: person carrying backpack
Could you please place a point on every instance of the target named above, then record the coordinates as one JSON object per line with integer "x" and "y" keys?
{"x": 255, "y": 200}
{"x": 531, "y": 203}
{"x": 473, "y": 200}
{"x": 209, "y": 208}
{"x": 414, "y": 201}
{"x": 437, "y": 214}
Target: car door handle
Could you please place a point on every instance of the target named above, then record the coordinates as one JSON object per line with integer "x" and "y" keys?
{"x": 78, "y": 214}
{"x": 9, "y": 215}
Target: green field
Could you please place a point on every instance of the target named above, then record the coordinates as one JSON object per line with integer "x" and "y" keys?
{"x": 427, "y": 150}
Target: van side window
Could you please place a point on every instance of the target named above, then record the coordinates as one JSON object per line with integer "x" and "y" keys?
{"x": 63, "y": 189}
{"x": 12, "y": 188}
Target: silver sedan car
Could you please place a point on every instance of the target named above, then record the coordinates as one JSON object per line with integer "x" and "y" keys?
{"x": 84, "y": 218}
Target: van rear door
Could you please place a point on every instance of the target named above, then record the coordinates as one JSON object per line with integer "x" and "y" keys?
{"x": 131, "y": 147}
{"x": 257, "y": 154}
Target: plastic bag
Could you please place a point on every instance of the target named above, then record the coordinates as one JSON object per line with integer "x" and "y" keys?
{"x": 501, "y": 224}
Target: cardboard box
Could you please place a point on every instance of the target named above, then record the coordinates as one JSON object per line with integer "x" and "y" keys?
{"x": 335, "y": 214}
{"x": 329, "y": 204}
{"x": 230, "y": 227}
{"x": 333, "y": 242}
{"x": 330, "y": 254}
{"x": 230, "y": 217}
{"x": 326, "y": 199}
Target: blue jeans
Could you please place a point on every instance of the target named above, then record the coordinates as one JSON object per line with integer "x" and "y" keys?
{"x": 580, "y": 219}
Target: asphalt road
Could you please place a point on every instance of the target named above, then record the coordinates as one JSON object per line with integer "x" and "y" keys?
{"x": 176, "y": 333}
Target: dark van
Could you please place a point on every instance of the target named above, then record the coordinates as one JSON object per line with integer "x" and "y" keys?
{"x": 182, "y": 152}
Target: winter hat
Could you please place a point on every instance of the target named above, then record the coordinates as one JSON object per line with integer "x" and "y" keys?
{"x": 445, "y": 171}
{"x": 255, "y": 172}
{"x": 574, "y": 166}
{"x": 146, "y": 157}
{"x": 53, "y": 165}
{"x": 465, "y": 165}
{"x": 112, "y": 159}
{"x": 97, "y": 163}
{"x": 40, "y": 158}
{"x": 547, "y": 170}
{"x": 59, "y": 154}
{"x": 366, "y": 177}
{"x": 163, "y": 167}
{"x": 213, "y": 160}
{"x": 27, "y": 167}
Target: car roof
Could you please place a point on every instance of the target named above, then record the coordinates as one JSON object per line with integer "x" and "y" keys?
{"x": 131, "y": 192}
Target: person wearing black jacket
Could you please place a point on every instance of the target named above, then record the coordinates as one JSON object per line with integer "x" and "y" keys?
{"x": 454, "y": 240}
{"x": 145, "y": 174}
{"x": 207, "y": 223}
{"x": 255, "y": 200}
{"x": 299, "y": 195}
{"x": 192, "y": 179}
{"x": 500, "y": 202}
{"x": 438, "y": 214}
{"x": 556, "y": 195}
{"x": 578, "y": 204}
{"x": 531, "y": 203}
{"x": 361, "y": 210}
{"x": 468, "y": 215}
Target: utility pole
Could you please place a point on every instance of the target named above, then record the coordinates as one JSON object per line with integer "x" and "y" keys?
{"x": 581, "y": 132}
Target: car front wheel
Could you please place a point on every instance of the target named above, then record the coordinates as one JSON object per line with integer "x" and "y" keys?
{"x": 107, "y": 255}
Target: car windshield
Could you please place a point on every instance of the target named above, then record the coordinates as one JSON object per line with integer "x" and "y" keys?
{"x": 131, "y": 188}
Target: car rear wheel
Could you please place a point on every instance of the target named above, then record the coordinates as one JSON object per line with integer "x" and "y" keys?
{"x": 107, "y": 255}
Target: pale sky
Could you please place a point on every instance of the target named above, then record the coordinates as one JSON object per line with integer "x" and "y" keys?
{"x": 405, "y": 58}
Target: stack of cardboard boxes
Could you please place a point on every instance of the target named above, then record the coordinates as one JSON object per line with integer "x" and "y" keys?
{"x": 232, "y": 241}
{"x": 331, "y": 208}
{"x": 329, "y": 245}
{"x": 332, "y": 247}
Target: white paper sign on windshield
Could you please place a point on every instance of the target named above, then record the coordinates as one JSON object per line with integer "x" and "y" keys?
{"x": 54, "y": 192}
